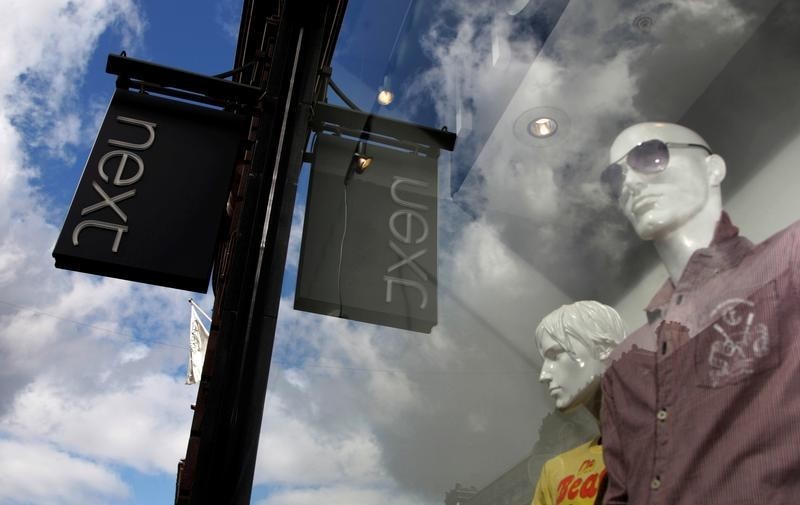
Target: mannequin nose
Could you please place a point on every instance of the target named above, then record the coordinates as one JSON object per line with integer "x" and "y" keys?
{"x": 632, "y": 183}
{"x": 544, "y": 375}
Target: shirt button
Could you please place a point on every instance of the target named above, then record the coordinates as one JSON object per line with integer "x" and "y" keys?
{"x": 662, "y": 415}
{"x": 655, "y": 483}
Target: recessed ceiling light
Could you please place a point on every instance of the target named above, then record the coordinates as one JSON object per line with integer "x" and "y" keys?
{"x": 643, "y": 23}
{"x": 514, "y": 7}
{"x": 542, "y": 127}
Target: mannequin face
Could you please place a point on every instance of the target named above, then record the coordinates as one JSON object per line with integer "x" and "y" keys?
{"x": 571, "y": 379}
{"x": 658, "y": 203}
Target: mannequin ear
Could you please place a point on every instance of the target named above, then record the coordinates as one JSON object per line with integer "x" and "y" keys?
{"x": 602, "y": 352}
{"x": 715, "y": 166}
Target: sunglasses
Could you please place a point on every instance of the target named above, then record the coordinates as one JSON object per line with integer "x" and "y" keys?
{"x": 649, "y": 157}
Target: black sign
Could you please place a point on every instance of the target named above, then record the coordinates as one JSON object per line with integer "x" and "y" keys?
{"x": 151, "y": 198}
{"x": 369, "y": 247}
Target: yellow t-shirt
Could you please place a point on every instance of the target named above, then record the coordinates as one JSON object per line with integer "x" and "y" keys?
{"x": 572, "y": 477}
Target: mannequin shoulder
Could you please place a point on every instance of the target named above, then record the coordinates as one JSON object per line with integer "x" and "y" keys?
{"x": 786, "y": 240}
{"x": 793, "y": 230}
{"x": 568, "y": 459}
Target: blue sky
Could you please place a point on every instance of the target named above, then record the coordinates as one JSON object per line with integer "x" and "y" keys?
{"x": 85, "y": 360}
{"x": 197, "y": 36}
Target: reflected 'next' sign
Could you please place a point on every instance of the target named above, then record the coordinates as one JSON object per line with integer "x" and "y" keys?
{"x": 369, "y": 247}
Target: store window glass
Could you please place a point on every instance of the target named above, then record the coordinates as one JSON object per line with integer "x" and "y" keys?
{"x": 568, "y": 264}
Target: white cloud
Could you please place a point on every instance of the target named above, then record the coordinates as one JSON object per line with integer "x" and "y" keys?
{"x": 228, "y": 15}
{"x": 38, "y": 473}
{"x": 133, "y": 352}
{"x": 299, "y": 453}
{"x": 142, "y": 424}
{"x": 86, "y": 364}
{"x": 56, "y": 39}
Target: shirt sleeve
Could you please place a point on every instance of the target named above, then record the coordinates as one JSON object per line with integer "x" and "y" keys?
{"x": 542, "y": 495}
{"x": 616, "y": 492}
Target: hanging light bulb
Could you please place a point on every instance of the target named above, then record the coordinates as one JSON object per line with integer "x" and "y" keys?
{"x": 359, "y": 162}
{"x": 385, "y": 95}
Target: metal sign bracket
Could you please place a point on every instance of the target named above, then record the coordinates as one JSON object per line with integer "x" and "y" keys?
{"x": 217, "y": 91}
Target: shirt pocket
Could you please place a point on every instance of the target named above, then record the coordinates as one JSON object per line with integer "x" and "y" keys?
{"x": 741, "y": 339}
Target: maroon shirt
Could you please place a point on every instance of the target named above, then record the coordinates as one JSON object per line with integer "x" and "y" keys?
{"x": 702, "y": 405}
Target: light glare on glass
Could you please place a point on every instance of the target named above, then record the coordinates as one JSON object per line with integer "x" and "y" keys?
{"x": 542, "y": 127}
{"x": 385, "y": 97}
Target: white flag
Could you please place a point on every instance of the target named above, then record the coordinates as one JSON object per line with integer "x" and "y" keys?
{"x": 198, "y": 339}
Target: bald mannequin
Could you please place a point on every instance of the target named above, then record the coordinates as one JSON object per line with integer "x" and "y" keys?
{"x": 677, "y": 208}
{"x": 690, "y": 401}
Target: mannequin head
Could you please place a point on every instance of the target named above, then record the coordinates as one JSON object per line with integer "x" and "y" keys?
{"x": 662, "y": 200}
{"x": 575, "y": 342}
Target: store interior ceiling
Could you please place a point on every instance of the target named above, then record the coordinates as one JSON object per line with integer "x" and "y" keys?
{"x": 728, "y": 70}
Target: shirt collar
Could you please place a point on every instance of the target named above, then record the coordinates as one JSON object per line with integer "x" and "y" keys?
{"x": 727, "y": 249}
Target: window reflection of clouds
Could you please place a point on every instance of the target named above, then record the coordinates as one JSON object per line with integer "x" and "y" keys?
{"x": 415, "y": 403}
{"x": 603, "y": 72}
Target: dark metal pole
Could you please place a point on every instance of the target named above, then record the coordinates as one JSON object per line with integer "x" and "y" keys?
{"x": 230, "y": 425}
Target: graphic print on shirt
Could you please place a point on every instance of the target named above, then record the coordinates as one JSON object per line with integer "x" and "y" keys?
{"x": 740, "y": 340}
{"x": 572, "y": 477}
{"x": 582, "y": 485}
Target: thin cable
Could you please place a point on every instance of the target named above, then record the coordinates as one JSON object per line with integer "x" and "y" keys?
{"x": 341, "y": 252}
{"x": 407, "y": 372}
{"x": 400, "y": 29}
{"x": 103, "y": 330}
